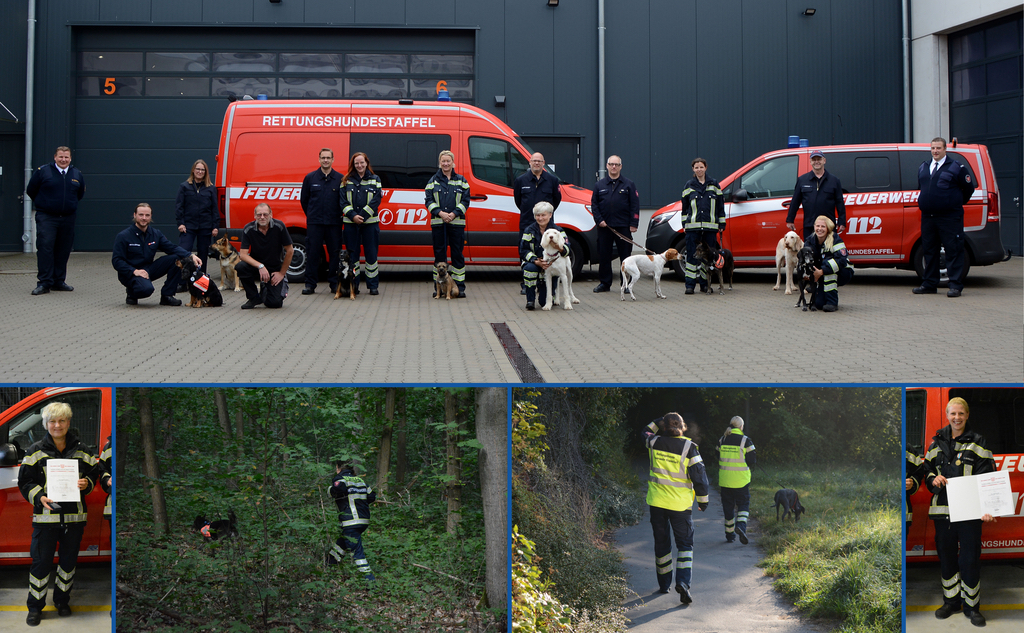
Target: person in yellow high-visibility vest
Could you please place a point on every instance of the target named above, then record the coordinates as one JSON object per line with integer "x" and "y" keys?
{"x": 676, "y": 479}
{"x": 736, "y": 457}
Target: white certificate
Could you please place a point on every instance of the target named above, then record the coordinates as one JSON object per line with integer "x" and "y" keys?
{"x": 62, "y": 480}
{"x": 970, "y": 497}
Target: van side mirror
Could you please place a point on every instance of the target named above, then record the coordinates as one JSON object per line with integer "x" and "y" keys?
{"x": 8, "y": 455}
{"x": 740, "y": 196}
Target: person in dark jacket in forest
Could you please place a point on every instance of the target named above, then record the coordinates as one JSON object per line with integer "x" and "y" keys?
{"x": 353, "y": 498}
{"x": 196, "y": 213}
{"x": 957, "y": 452}
{"x": 55, "y": 523}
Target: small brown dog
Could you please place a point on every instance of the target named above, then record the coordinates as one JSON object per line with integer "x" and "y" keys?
{"x": 228, "y": 257}
{"x": 444, "y": 285}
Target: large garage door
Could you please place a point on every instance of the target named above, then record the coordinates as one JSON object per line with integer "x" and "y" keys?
{"x": 986, "y": 87}
{"x": 149, "y": 102}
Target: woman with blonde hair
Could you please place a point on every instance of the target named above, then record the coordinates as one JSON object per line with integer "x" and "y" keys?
{"x": 196, "y": 212}
{"x": 835, "y": 268}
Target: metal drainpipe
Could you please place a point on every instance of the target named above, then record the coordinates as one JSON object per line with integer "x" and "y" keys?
{"x": 906, "y": 73}
{"x": 30, "y": 71}
{"x": 600, "y": 89}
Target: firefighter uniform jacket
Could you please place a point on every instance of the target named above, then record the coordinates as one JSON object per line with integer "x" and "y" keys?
{"x": 105, "y": 480}
{"x": 954, "y": 457}
{"x": 677, "y": 471}
{"x": 916, "y": 471}
{"x": 530, "y": 248}
{"x": 361, "y": 197}
{"x": 832, "y": 262}
{"x": 450, "y": 195}
{"x": 736, "y": 457}
{"x": 32, "y": 480}
{"x": 703, "y": 208}
{"x": 353, "y": 497}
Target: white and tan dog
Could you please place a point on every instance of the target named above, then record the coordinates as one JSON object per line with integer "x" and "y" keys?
{"x": 786, "y": 257}
{"x": 561, "y": 266}
{"x": 637, "y": 265}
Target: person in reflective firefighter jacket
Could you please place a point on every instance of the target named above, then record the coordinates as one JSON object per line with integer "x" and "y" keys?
{"x": 106, "y": 478}
{"x": 55, "y": 523}
{"x": 447, "y": 199}
{"x": 736, "y": 457}
{"x": 703, "y": 218}
{"x": 353, "y": 497}
{"x": 957, "y": 452}
{"x": 916, "y": 471}
{"x": 677, "y": 477}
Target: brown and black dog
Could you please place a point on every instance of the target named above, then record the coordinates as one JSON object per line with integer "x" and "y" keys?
{"x": 789, "y": 500}
{"x": 445, "y": 285}
{"x": 203, "y": 292}
{"x": 717, "y": 261}
{"x": 228, "y": 258}
{"x": 346, "y": 277}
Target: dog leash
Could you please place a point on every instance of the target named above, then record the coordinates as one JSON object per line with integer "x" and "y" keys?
{"x": 626, "y": 239}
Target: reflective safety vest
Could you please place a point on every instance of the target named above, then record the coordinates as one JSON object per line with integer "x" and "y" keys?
{"x": 669, "y": 485}
{"x": 915, "y": 467}
{"x": 733, "y": 471}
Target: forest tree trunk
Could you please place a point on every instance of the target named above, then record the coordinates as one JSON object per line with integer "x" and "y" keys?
{"x": 222, "y": 413}
{"x": 492, "y": 433}
{"x": 400, "y": 461}
{"x": 384, "y": 456}
{"x": 156, "y": 491}
{"x": 454, "y": 470}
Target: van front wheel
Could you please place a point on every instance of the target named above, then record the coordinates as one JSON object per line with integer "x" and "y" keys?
{"x": 297, "y": 268}
{"x": 577, "y": 255}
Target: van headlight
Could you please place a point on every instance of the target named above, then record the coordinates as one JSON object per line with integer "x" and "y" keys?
{"x": 663, "y": 218}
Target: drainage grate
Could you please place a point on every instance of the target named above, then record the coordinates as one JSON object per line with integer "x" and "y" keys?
{"x": 520, "y": 361}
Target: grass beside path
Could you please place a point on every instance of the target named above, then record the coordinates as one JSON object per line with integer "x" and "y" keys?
{"x": 842, "y": 560}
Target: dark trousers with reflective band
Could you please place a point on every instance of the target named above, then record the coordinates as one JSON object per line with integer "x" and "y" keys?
{"x": 270, "y": 296}
{"x": 959, "y": 548}
{"x": 351, "y": 540}
{"x": 735, "y": 500}
{"x": 607, "y": 243}
{"x": 316, "y": 236}
{"x": 44, "y": 543}
{"x": 55, "y": 236}
{"x": 367, "y": 235}
{"x": 452, "y": 236}
{"x": 666, "y": 524}
{"x": 533, "y": 280}
{"x": 202, "y": 239}
{"x": 695, "y": 270}
{"x": 140, "y": 288}
{"x": 949, "y": 232}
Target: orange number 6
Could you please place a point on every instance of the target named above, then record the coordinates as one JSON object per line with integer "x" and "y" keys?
{"x": 108, "y": 86}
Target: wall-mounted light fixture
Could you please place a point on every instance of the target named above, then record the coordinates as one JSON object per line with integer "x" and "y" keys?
{"x": 808, "y": 12}
{"x": 552, "y": 3}
{"x": 275, "y": 1}
{"x": 499, "y": 101}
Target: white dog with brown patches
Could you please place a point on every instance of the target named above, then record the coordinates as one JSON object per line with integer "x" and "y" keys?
{"x": 556, "y": 252}
{"x": 785, "y": 257}
{"x": 637, "y": 265}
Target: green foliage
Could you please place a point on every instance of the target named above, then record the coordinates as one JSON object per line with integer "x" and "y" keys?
{"x": 534, "y": 609}
{"x": 843, "y": 559}
{"x": 528, "y": 432}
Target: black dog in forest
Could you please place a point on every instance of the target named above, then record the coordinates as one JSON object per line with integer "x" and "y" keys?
{"x": 213, "y": 530}
{"x": 789, "y": 501}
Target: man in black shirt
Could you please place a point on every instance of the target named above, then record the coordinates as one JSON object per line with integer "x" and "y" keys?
{"x": 266, "y": 246}
{"x": 820, "y": 193}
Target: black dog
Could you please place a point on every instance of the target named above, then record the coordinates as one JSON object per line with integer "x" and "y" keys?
{"x": 201, "y": 288}
{"x": 719, "y": 261}
{"x": 211, "y": 531}
{"x": 806, "y": 262}
{"x": 346, "y": 276}
{"x": 790, "y": 502}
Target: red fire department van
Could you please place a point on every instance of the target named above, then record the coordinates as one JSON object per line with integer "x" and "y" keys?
{"x": 22, "y": 425}
{"x": 267, "y": 147}
{"x": 883, "y": 222}
{"x": 998, "y": 415}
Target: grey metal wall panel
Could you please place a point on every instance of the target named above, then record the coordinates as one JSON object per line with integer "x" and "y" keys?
{"x": 719, "y": 108}
{"x": 810, "y": 71}
{"x": 226, "y": 11}
{"x": 329, "y": 12}
{"x": 574, "y": 90}
{"x": 674, "y": 58}
{"x": 13, "y": 45}
{"x": 437, "y": 12}
{"x": 264, "y": 12}
{"x": 628, "y": 81}
{"x": 490, "y": 51}
{"x": 762, "y": 83}
{"x": 125, "y": 11}
{"x": 530, "y": 67}
{"x": 380, "y": 12}
{"x": 182, "y": 11}
{"x": 883, "y": 103}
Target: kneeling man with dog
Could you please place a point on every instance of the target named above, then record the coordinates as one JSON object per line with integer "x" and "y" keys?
{"x": 134, "y": 251}
{"x": 266, "y": 246}
{"x": 676, "y": 479}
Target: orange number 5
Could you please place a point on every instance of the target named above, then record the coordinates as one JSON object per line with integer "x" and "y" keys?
{"x": 109, "y": 87}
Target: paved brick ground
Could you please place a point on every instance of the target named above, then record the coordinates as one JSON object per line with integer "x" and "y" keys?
{"x": 882, "y": 333}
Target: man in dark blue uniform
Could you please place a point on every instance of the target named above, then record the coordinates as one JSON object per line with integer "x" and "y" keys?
{"x": 945, "y": 186}
{"x": 615, "y": 205}
{"x": 134, "y": 250}
{"x": 320, "y": 199}
{"x": 55, "y": 189}
{"x": 820, "y": 193}
{"x": 533, "y": 186}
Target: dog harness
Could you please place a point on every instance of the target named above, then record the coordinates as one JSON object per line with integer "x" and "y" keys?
{"x": 205, "y": 531}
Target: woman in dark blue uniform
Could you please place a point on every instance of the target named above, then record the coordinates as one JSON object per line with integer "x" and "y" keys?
{"x": 359, "y": 203}
{"x": 196, "y": 212}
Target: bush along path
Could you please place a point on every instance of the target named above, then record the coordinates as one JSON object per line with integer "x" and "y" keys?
{"x": 730, "y": 592}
